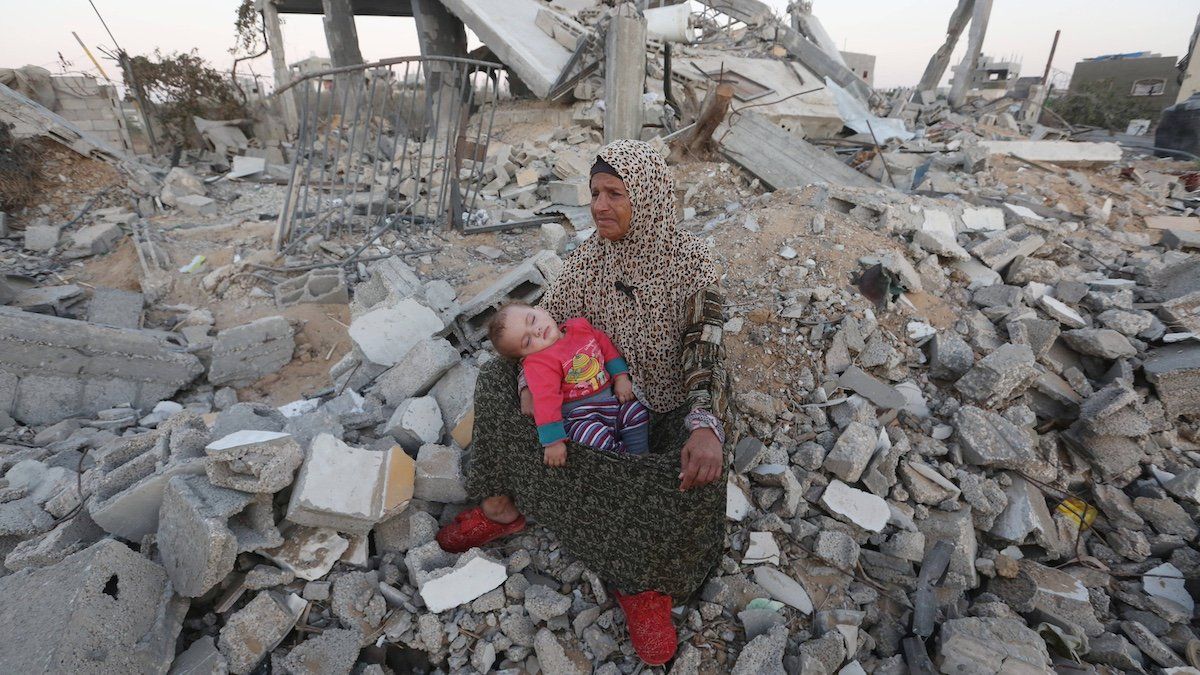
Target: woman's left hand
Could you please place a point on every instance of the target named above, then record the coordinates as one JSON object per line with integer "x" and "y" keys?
{"x": 701, "y": 459}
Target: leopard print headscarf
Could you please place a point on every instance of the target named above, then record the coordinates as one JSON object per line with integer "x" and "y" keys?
{"x": 635, "y": 289}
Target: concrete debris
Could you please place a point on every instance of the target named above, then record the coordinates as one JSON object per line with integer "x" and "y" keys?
{"x": 964, "y": 363}
{"x": 321, "y": 497}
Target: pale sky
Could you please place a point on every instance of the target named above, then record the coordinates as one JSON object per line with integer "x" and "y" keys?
{"x": 901, "y": 33}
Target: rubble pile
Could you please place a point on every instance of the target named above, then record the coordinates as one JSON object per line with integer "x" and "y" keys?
{"x": 965, "y": 359}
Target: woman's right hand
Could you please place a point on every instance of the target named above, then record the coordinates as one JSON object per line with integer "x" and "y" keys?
{"x": 526, "y": 402}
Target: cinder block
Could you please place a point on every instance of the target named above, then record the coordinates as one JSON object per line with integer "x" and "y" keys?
{"x": 417, "y": 372}
{"x": 114, "y": 307}
{"x": 243, "y": 354}
{"x": 386, "y": 333}
{"x": 321, "y": 286}
{"x": 570, "y": 193}
{"x": 416, "y": 422}
{"x": 524, "y": 283}
{"x": 253, "y": 461}
{"x": 202, "y": 528}
{"x": 392, "y": 280}
{"x": 322, "y": 497}
{"x": 103, "y": 609}
{"x": 94, "y": 239}
{"x": 42, "y": 237}
{"x": 258, "y": 628}
{"x": 439, "y": 475}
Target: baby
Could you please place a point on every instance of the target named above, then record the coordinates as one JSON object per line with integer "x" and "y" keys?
{"x": 580, "y": 384}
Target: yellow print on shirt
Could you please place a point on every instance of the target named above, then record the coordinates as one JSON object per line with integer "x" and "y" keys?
{"x": 587, "y": 370}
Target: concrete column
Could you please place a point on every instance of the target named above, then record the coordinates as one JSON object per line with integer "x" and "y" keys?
{"x": 624, "y": 73}
{"x": 340, "y": 33}
{"x": 1190, "y": 84}
{"x": 808, "y": 25}
{"x": 961, "y": 82}
{"x": 941, "y": 58}
{"x": 283, "y": 76}
{"x": 440, "y": 33}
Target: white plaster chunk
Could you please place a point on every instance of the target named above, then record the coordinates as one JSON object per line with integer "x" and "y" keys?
{"x": 762, "y": 549}
{"x": 983, "y": 220}
{"x": 862, "y": 508}
{"x": 783, "y": 588}
{"x": 737, "y": 506}
{"x": 473, "y": 575}
{"x": 386, "y": 334}
{"x": 1166, "y": 582}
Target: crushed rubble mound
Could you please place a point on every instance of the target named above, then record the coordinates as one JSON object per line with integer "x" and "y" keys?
{"x": 966, "y": 369}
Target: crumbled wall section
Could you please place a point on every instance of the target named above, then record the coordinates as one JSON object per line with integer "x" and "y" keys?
{"x": 93, "y": 107}
{"x": 53, "y": 368}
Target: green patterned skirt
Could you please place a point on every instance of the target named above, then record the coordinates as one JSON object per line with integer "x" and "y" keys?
{"x": 622, "y": 516}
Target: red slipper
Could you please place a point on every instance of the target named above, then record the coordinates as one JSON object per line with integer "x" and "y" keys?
{"x": 648, "y": 620}
{"x": 471, "y": 529}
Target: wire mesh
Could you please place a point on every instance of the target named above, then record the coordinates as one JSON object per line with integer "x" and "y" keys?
{"x": 398, "y": 143}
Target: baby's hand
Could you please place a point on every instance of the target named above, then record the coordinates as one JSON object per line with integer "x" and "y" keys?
{"x": 556, "y": 454}
{"x": 623, "y": 388}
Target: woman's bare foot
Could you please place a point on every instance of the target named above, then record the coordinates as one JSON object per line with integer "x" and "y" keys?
{"x": 500, "y": 509}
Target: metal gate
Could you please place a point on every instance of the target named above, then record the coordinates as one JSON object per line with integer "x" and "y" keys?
{"x": 391, "y": 144}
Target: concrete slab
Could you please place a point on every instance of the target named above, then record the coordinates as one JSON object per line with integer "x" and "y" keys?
{"x": 510, "y": 30}
{"x": 1063, "y": 153}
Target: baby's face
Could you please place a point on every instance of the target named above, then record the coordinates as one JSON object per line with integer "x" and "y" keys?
{"x": 527, "y": 330}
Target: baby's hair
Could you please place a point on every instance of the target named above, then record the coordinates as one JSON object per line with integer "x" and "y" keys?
{"x": 496, "y": 326}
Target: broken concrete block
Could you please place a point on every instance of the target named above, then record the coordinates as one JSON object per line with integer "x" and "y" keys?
{"x": 196, "y": 205}
{"x": 982, "y": 220}
{"x": 253, "y": 461}
{"x": 455, "y": 396}
{"x": 958, "y": 528}
{"x": 133, "y": 475}
{"x": 248, "y": 416}
{"x": 333, "y": 651}
{"x": 321, "y": 497}
{"x": 987, "y": 439}
{"x": 386, "y": 333}
{"x": 200, "y": 658}
{"x": 406, "y": 530}
{"x": 202, "y": 528}
{"x": 925, "y": 484}
{"x": 256, "y": 629}
{"x": 67, "y": 538}
{"x": 1050, "y": 595}
{"x": 950, "y": 357}
{"x": 179, "y": 182}
{"x": 53, "y": 368}
{"x": 1060, "y": 312}
{"x": 357, "y": 602}
{"x": 990, "y": 645}
{"x": 94, "y": 240}
{"x": 1000, "y": 250}
{"x": 763, "y": 654}
{"x": 999, "y": 376}
{"x": 936, "y": 235}
{"x": 1026, "y": 513}
{"x": 569, "y": 193}
{"x": 1150, "y": 645}
{"x": 861, "y": 508}
{"x": 416, "y": 422}
{"x": 114, "y": 307}
{"x": 417, "y": 371}
{"x": 837, "y": 548}
{"x": 245, "y": 353}
{"x": 439, "y": 475}
{"x": 391, "y": 281}
{"x": 852, "y": 452}
{"x": 474, "y": 574}
{"x": 1100, "y": 342}
{"x": 42, "y": 238}
{"x": 107, "y": 608}
{"x": 1175, "y": 372}
{"x": 307, "y": 552}
{"x": 883, "y": 395}
{"x": 325, "y": 285}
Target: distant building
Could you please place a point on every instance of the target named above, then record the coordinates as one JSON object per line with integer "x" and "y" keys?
{"x": 1151, "y": 80}
{"x": 863, "y": 65}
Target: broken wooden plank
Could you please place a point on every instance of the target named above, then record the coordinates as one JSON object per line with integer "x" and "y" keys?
{"x": 780, "y": 159}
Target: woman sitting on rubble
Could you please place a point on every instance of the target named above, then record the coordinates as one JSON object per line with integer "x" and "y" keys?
{"x": 653, "y": 525}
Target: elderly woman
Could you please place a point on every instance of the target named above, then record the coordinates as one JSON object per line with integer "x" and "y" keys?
{"x": 652, "y": 525}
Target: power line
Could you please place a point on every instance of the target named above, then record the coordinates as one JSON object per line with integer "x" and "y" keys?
{"x": 105, "y": 24}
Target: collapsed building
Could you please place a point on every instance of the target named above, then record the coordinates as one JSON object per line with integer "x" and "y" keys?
{"x": 965, "y": 346}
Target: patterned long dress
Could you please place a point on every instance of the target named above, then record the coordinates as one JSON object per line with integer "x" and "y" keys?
{"x": 624, "y": 517}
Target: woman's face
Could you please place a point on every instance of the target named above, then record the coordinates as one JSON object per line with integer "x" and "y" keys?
{"x": 611, "y": 209}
